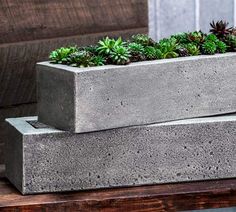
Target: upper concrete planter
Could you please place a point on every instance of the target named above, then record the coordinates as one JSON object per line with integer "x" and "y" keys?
{"x": 98, "y": 98}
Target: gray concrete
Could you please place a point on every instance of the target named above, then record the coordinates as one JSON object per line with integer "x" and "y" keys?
{"x": 98, "y": 98}
{"x": 49, "y": 160}
{"x": 167, "y": 17}
{"x": 215, "y": 10}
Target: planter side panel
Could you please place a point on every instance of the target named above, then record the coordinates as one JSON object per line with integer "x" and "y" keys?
{"x": 189, "y": 150}
{"x": 16, "y": 111}
{"x": 56, "y": 97}
{"x": 14, "y": 157}
{"x": 155, "y": 92}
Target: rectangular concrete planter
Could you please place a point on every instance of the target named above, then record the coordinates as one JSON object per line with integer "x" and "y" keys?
{"x": 98, "y": 98}
{"x": 49, "y": 160}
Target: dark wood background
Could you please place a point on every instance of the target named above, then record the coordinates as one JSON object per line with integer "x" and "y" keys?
{"x": 30, "y": 29}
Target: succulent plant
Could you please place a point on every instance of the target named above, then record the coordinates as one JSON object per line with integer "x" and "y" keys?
{"x": 141, "y": 47}
{"x": 61, "y": 55}
{"x": 209, "y": 47}
{"x": 168, "y": 48}
{"x": 152, "y": 53}
{"x": 182, "y": 51}
{"x": 136, "y": 48}
{"x": 120, "y": 55}
{"x": 221, "y": 47}
{"x": 91, "y": 49}
{"x": 233, "y": 31}
{"x": 181, "y": 38}
{"x": 136, "y": 51}
{"x": 193, "y": 49}
{"x": 196, "y": 37}
{"x": 98, "y": 60}
{"x": 230, "y": 41}
{"x": 105, "y": 46}
{"x": 220, "y": 28}
{"x": 143, "y": 39}
{"x": 212, "y": 38}
{"x": 81, "y": 59}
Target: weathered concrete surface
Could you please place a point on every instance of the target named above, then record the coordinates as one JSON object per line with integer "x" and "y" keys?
{"x": 98, "y": 98}
{"x": 49, "y": 160}
{"x": 9, "y": 112}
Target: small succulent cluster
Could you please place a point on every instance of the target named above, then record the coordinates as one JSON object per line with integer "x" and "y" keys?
{"x": 141, "y": 47}
{"x": 225, "y": 34}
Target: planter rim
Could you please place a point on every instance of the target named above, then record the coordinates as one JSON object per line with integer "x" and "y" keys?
{"x": 27, "y": 129}
{"x": 134, "y": 64}
{"x": 23, "y": 126}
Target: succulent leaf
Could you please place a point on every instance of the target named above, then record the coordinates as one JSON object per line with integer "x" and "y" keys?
{"x": 212, "y": 38}
{"x": 182, "y": 51}
{"x": 209, "y": 47}
{"x": 105, "y": 46}
{"x": 98, "y": 60}
{"x": 230, "y": 41}
{"x": 81, "y": 59}
{"x": 137, "y": 52}
{"x": 120, "y": 55}
{"x": 220, "y": 28}
{"x": 221, "y": 47}
{"x": 193, "y": 49}
{"x": 181, "y": 38}
{"x": 143, "y": 39}
{"x": 168, "y": 47}
{"x": 196, "y": 37}
{"x": 61, "y": 55}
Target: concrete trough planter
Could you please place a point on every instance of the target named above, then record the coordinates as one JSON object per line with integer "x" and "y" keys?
{"x": 42, "y": 159}
{"x": 98, "y": 98}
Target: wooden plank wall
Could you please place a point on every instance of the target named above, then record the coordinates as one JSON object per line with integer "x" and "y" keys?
{"x": 23, "y": 20}
{"x": 30, "y": 29}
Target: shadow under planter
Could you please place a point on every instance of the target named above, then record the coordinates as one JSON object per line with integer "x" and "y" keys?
{"x": 106, "y": 97}
{"x": 43, "y": 159}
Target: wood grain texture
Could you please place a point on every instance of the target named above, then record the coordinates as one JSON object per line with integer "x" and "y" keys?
{"x": 23, "y": 20}
{"x": 2, "y": 146}
{"x": 2, "y": 171}
{"x": 17, "y": 70}
{"x": 16, "y": 111}
{"x": 158, "y": 198}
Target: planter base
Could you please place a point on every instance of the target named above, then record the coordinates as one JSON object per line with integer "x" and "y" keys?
{"x": 42, "y": 159}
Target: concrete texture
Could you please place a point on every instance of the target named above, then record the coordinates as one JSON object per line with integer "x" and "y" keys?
{"x": 167, "y": 17}
{"x": 177, "y": 22}
{"x": 215, "y": 10}
{"x": 50, "y": 160}
{"x": 9, "y": 112}
{"x": 98, "y": 98}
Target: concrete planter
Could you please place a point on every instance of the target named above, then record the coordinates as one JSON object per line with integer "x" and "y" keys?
{"x": 48, "y": 160}
{"x": 98, "y": 98}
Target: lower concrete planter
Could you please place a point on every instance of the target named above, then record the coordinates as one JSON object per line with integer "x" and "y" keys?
{"x": 48, "y": 160}
{"x": 98, "y": 98}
